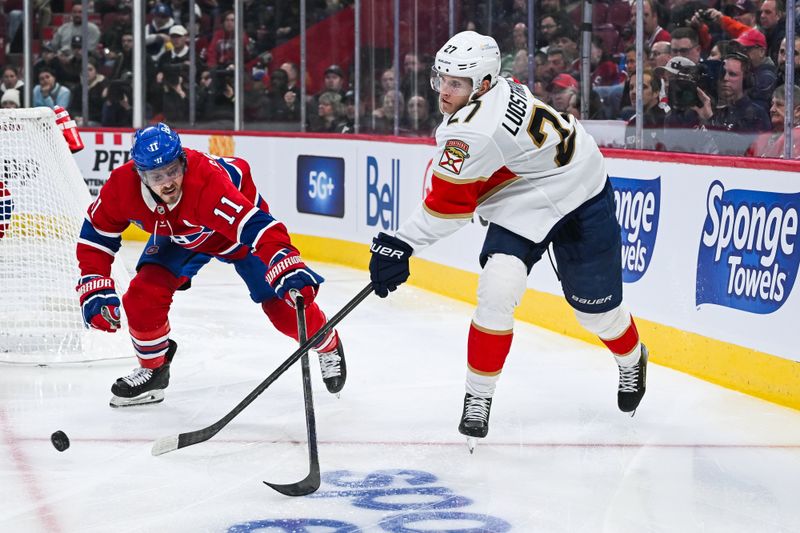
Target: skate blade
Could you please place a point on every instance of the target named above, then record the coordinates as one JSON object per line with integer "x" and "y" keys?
{"x": 471, "y": 443}
{"x": 153, "y": 396}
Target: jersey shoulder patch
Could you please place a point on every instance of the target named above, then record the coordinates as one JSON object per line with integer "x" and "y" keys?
{"x": 454, "y": 153}
{"x": 464, "y": 154}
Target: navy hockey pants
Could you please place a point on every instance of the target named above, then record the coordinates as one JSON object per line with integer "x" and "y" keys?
{"x": 587, "y": 248}
{"x": 180, "y": 262}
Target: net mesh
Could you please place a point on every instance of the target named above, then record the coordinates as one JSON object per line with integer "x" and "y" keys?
{"x": 43, "y": 200}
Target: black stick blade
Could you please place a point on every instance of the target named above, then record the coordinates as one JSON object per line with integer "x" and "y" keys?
{"x": 303, "y": 487}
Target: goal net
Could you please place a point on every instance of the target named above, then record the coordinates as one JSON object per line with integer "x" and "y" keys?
{"x": 43, "y": 201}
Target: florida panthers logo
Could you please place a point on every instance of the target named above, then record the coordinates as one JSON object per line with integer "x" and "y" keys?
{"x": 455, "y": 152}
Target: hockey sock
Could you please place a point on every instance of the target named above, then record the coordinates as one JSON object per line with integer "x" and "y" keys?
{"x": 151, "y": 346}
{"x": 480, "y": 385}
{"x": 486, "y": 354}
{"x": 147, "y": 303}
{"x": 626, "y": 347}
{"x": 284, "y": 319}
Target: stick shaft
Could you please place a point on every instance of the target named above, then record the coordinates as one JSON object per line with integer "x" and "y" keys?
{"x": 201, "y": 435}
{"x": 311, "y": 482}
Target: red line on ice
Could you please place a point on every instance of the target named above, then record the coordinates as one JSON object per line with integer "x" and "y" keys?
{"x": 665, "y": 445}
{"x": 27, "y": 473}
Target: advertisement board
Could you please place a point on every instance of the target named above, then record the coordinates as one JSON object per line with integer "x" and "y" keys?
{"x": 707, "y": 249}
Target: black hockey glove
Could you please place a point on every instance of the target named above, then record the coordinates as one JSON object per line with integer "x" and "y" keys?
{"x": 388, "y": 267}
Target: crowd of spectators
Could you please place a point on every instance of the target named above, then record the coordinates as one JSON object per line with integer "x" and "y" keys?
{"x": 58, "y": 57}
{"x": 711, "y": 74}
{"x": 713, "y": 69}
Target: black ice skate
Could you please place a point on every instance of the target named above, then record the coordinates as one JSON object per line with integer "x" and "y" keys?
{"x": 143, "y": 385}
{"x": 632, "y": 382}
{"x": 334, "y": 368}
{"x": 475, "y": 419}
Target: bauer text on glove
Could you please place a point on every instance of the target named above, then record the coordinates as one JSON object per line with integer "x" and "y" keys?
{"x": 388, "y": 266}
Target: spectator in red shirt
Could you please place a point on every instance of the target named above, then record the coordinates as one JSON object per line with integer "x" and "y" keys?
{"x": 653, "y": 33}
{"x": 222, "y": 48}
{"x": 771, "y": 22}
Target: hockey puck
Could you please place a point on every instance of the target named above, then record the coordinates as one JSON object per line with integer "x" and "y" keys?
{"x": 60, "y": 440}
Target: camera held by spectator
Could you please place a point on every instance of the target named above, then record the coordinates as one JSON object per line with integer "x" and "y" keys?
{"x": 117, "y": 91}
{"x": 682, "y": 81}
{"x": 173, "y": 75}
{"x": 223, "y": 79}
{"x": 706, "y": 15}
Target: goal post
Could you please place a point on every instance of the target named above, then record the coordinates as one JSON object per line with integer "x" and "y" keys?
{"x": 43, "y": 201}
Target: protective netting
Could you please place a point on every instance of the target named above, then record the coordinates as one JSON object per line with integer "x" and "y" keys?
{"x": 43, "y": 201}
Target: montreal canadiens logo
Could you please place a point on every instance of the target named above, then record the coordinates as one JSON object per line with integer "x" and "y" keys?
{"x": 453, "y": 156}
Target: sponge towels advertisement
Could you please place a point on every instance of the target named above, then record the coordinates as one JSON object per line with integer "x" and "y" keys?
{"x": 706, "y": 249}
{"x": 746, "y": 259}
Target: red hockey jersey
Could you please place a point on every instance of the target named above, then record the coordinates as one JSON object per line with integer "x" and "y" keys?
{"x": 219, "y": 213}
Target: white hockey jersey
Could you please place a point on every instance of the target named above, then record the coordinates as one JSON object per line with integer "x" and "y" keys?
{"x": 513, "y": 160}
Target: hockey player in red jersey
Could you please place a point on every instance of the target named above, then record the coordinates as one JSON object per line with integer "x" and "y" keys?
{"x": 196, "y": 207}
{"x": 539, "y": 179}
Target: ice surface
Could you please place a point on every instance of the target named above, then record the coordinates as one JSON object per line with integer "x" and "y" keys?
{"x": 559, "y": 456}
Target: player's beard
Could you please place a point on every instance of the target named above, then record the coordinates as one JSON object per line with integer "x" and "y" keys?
{"x": 173, "y": 196}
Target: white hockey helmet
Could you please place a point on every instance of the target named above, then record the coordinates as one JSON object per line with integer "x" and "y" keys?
{"x": 467, "y": 54}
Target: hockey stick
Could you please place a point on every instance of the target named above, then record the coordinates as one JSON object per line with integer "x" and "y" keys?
{"x": 168, "y": 444}
{"x": 311, "y": 482}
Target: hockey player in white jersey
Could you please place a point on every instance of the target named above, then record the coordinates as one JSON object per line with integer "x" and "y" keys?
{"x": 539, "y": 179}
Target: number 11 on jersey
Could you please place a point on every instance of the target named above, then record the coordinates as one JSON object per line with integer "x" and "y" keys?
{"x": 236, "y": 207}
